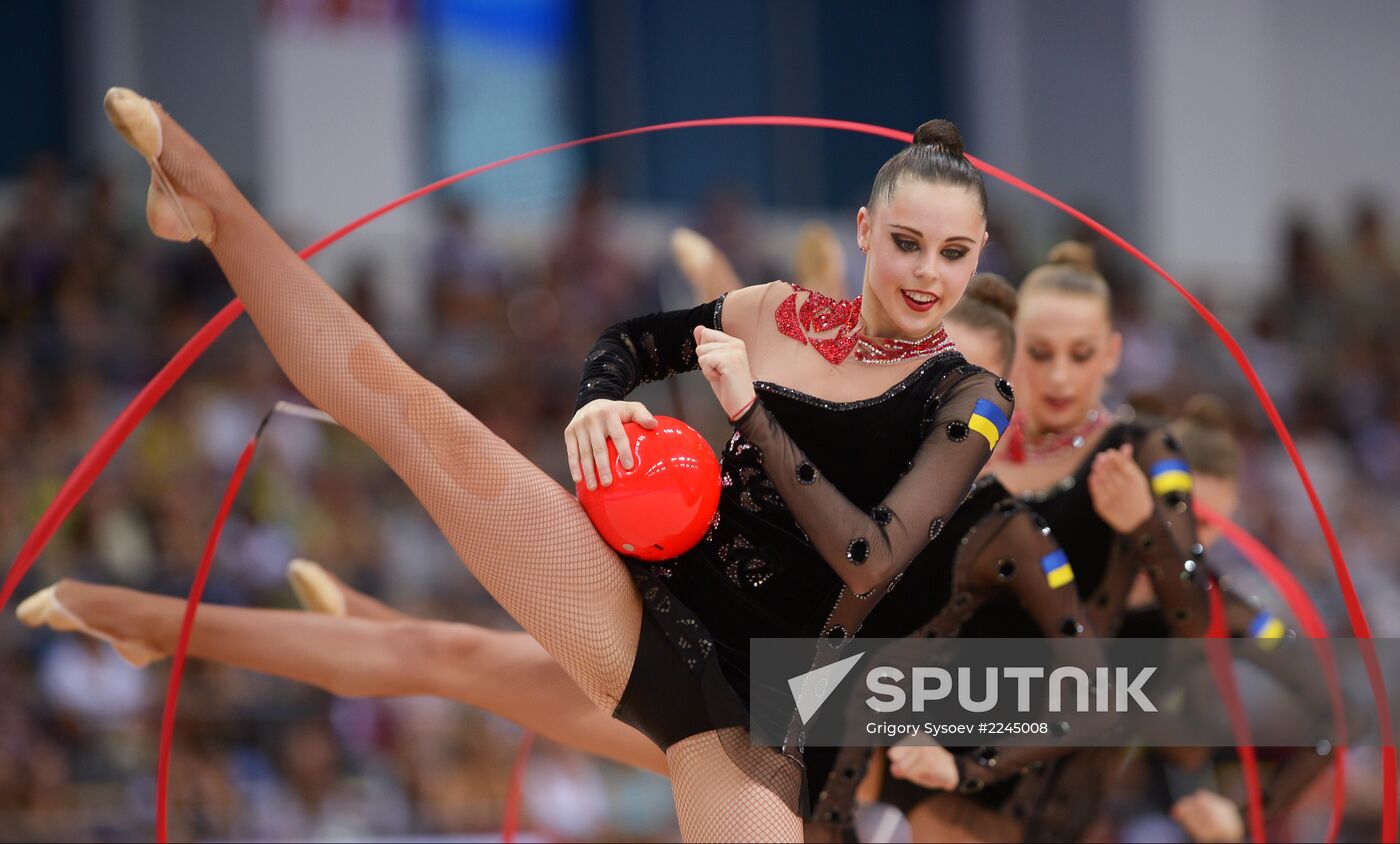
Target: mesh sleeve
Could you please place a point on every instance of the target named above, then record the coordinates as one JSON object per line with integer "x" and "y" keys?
{"x": 867, "y": 549}
{"x": 1293, "y": 665}
{"x": 644, "y": 349}
{"x": 1165, "y": 545}
{"x": 1025, "y": 560}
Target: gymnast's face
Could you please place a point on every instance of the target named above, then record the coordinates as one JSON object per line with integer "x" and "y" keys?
{"x": 1065, "y": 352}
{"x": 922, "y": 247}
{"x": 981, "y": 346}
{"x": 1220, "y": 494}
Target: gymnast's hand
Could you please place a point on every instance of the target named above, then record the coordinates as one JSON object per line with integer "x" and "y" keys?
{"x": 725, "y": 363}
{"x": 586, "y": 438}
{"x": 1119, "y": 489}
{"x": 1207, "y": 816}
{"x": 928, "y": 765}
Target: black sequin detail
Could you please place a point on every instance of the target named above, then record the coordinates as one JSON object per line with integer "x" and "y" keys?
{"x": 969, "y": 368}
{"x": 850, "y": 773}
{"x": 1071, "y": 627}
{"x": 743, "y": 565}
{"x": 935, "y": 527}
{"x": 1006, "y": 505}
{"x": 1146, "y": 541}
{"x": 882, "y": 515}
{"x": 957, "y": 430}
{"x": 1004, "y": 387}
{"x": 806, "y": 472}
{"x": 1006, "y": 568}
{"x": 1102, "y": 600}
{"x": 971, "y": 786}
{"x": 858, "y": 551}
{"x": 836, "y": 631}
{"x": 756, "y": 490}
{"x": 1181, "y": 613}
{"x": 1171, "y": 442}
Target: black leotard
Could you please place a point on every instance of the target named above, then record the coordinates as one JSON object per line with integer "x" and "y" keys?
{"x": 820, "y": 501}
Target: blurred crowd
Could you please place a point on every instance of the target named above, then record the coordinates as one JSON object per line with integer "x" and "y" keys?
{"x": 91, "y": 306}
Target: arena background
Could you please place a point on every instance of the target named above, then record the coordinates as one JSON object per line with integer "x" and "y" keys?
{"x": 1249, "y": 147}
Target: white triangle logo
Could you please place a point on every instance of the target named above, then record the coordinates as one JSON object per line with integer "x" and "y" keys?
{"x": 811, "y": 690}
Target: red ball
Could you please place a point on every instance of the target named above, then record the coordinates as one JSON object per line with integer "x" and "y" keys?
{"x": 664, "y": 504}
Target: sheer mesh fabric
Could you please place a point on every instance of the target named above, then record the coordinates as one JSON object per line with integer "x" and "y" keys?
{"x": 868, "y": 550}
{"x": 1167, "y": 549}
{"x": 523, "y": 536}
{"x": 1001, "y": 558}
{"x": 1166, "y": 545}
{"x": 728, "y": 790}
{"x": 1294, "y": 666}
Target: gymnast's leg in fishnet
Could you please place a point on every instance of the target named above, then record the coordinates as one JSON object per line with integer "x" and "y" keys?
{"x": 726, "y": 790}
{"x": 524, "y": 538}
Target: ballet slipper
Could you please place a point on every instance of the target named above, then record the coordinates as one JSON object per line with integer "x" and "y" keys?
{"x": 43, "y": 609}
{"x": 170, "y": 216}
{"x": 315, "y": 589}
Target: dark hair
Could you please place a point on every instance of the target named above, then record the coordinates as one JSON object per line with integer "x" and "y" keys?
{"x": 989, "y": 304}
{"x": 1206, "y": 441}
{"x": 935, "y": 156}
{"x": 1069, "y": 268}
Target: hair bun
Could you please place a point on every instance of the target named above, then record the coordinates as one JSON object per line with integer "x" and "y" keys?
{"x": 940, "y": 133}
{"x": 1207, "y": 411}
{"x": 1074, "y": 254}
{"x": 994, "y": 291}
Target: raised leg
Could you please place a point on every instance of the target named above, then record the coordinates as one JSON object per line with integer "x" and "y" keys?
{"x": 523, "y": 536}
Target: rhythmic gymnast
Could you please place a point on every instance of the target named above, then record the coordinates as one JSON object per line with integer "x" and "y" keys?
{"x": 848, "y": 479}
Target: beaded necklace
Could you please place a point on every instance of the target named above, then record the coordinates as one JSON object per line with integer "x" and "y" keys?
{"x": 1019, "y": 448}
{"x": 820, "y": 314}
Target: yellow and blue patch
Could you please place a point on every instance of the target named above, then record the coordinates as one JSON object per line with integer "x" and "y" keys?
{"x": 1170, "y": 475}
{"x": 1056, "y": 568}
{"x": 1268, "y": 628}
{"x": 989, "y": 421}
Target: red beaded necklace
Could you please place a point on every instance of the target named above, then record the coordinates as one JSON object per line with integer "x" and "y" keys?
{"x": 1019, "y": 448}
{"x": 822, "y": 314}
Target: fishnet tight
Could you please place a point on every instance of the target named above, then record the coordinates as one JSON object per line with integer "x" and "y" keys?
{"x": 727, "y": 790}
{"x": 523, "y": 536}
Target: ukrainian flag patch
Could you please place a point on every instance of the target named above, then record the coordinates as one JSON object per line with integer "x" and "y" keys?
{"x": 1171, "y": 475}
{"x": 1056, "y": 568}
{"x": 988, "y": 420}
{"x": 1267, "y": 627}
